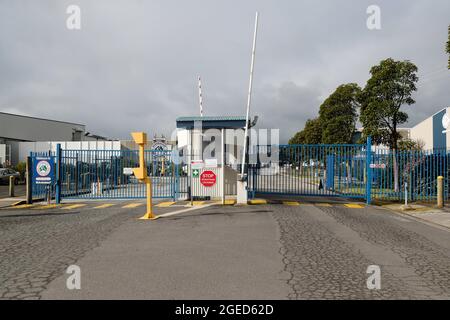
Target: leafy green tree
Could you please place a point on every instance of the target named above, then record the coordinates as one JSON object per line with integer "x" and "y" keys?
{"x": 338, "y": 114}
{"x": 448, "y": 47}
{"x": 21, "y": 168}
{"x": 410, "y": 144}
{"x": 390, "y": 87}
{"x": 311, "y": 134}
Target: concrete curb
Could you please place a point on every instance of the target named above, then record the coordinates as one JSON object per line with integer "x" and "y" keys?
{"x": 408, "y": 214}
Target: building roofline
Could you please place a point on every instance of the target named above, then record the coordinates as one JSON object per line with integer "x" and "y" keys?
{"x": 36, "y": 118}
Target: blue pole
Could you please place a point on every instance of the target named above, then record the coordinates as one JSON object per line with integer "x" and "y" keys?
{"x": 368, "y": 170}
{"x": 58, "y": 174}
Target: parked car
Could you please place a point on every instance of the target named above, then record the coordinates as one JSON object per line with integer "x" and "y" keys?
{"x": 5, "y": 173}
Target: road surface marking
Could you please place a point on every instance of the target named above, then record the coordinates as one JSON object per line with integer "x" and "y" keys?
{"x": 105, "y": 205}
{"x": 46, "y": 206}
{"x": 133, "y": 205}
{"x": 198, "y": 203}
{"x": 74, "y": 206}
{"x": 184, "y": 210}
{"x": 321, "y": 204}
{"x": 228, "y": 202}
{"x": 291, "y": 203}
{"x": 354, "y": 205}
{"x": 165, "y": 204}
{"x": 22, "y": 206}
{"x": 257, "y": 201}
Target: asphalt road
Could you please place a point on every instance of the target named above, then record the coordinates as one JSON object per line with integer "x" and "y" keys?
{"x": 231, "y": 252}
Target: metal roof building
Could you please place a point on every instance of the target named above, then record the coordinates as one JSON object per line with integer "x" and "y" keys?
{"x": 212, "y": 122}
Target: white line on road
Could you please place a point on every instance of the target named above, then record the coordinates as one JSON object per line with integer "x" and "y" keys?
{"x": 184, "y": 210}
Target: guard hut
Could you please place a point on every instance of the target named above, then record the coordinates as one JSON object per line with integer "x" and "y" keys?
{"x": 211, "y": 147}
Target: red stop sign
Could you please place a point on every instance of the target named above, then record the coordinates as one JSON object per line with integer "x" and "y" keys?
{"x": 208, "y": 178}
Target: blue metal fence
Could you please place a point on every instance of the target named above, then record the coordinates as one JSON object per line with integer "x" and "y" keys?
{"x": 312, "y": 170}
{"x": 99, "y": 174}
{"x": 412, "y": 174}
{"x": 351, "y": 171}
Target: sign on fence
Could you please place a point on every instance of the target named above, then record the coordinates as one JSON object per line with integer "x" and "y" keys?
{"x": 197, "y": 164}
{"x": 43, "y": 170}
{"x": 377, "y": 166}
{"x": 128, "y": 171}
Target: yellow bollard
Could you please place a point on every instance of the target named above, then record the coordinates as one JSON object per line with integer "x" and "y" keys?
{"x": 440, "y": 192}
{"x": 149, "y": 214}
{"x": 141, "y": 172}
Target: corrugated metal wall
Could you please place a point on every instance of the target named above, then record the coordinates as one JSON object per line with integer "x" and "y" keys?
{"x": 215, "y": 191}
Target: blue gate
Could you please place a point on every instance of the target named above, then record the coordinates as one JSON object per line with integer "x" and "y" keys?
{"x": 312, "y": 170}
{"x": 351, "y": 171}
{"x": 95, "y": 174}
{"x": 105, "y": 174}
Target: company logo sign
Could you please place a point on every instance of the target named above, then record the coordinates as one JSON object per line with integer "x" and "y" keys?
{"x": 43, "y": 168}
{"x": 445, "y": 123}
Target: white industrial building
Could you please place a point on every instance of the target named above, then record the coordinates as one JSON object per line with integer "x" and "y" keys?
{"x": 432, "y": 132}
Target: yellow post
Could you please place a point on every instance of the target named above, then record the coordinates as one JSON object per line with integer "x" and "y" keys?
{"x": 440, "y": 191}
{"x": 149, "y": 214}
{"x": 141, "y": 173}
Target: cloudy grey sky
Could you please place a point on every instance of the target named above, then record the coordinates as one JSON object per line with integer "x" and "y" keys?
{"x": 134, "y": 64}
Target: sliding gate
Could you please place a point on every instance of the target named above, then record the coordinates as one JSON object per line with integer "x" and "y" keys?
{"x": 311, "y": 170}
{"x": 100, "y": 174}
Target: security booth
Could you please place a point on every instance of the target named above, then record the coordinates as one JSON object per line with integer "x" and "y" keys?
{"x": 211, "y": 148}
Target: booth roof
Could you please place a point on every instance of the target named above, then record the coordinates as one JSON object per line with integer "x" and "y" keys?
{"x": 212, "y": 122}
{"x": 212, "y": 118}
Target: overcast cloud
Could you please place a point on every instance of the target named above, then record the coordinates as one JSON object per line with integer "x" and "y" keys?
{"x": 134, "y": 64}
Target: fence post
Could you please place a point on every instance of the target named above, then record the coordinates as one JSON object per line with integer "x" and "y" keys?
{"x": 28, "y": 177}
{"x": 58, "y": 174}
{"x": 440, "y": 191}
{"x": 11, "y": 186}
{"x": 368, "y": 170}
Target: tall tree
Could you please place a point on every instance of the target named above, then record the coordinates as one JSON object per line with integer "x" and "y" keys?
{"x": 448, "y": 47}
{"x": 390, "y": 86}
{"x": 338, "y": 114}
{"x": 410, "y": 144}
{"x": 311, "y": 133}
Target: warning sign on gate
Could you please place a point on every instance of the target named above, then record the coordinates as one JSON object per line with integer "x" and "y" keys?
{"x": 208, "y": 178}
{"x": 377, "y": 166}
